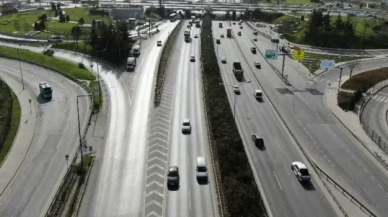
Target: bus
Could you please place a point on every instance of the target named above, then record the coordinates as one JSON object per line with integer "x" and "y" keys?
{"x": 173, "y": 17}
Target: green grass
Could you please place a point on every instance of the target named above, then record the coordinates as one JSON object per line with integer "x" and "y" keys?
{"x": 22, "y": 22}
{"x": 97, "y": 98}
{"x": 15, "y": 120}
{"x": 284, "y": 18}
{"x": 312, "y": 61}
{"x": 81, "y": 48}
{"x": 63, "y": 66}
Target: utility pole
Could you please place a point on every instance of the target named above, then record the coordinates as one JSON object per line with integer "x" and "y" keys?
{"x": 339, "y": 83}
{"x": 79, "y": 131}
{"x": 21, "y": 71}
{"x": 284, "y": 60}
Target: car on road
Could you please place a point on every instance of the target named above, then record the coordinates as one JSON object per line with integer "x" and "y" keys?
{"x": 258, "y": 94}
{"x": 255, "y": 33}
{"x": 218, "y": 41}
{"x": 239, "y": 33}
{"x": 222, "y": 35}
{"x": 236, "y": 89}
{"x": 186, "y": 127}
{"x": 201, "y": 169}
{"x": 300, "y": 170}
{"x": 254, "y": 39}
{"x": 258, "y": 140}
{"x": 257, "y": 65}
{"x": 234, "y": 23}
{"x": 192, "y": 59}
{"x": 253, "y": 50}
{"x": 55, "y": 38}
{"x": 173, "y": 176}
{"x": 223, "y": 60}
{"x": 196, "y": 36}
{"x": 159, "y": 43}
{"x": 241, "y": 27}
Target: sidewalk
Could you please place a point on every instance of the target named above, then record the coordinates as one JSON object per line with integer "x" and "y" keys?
{"x": 351, "y": 122}
{"x": 24, "y": 136}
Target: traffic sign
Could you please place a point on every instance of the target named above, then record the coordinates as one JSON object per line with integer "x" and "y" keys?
{"x": 327, "y": 65}
{"x": 299, "y": 54}
{"x": 271, "y": 54}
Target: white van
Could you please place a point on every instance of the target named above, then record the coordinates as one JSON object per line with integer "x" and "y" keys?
{"x": 136, "y": 50}
{"x": 201, "y": 169}
{"x": 258, "y": 94}
{"x": 131, "y": 63}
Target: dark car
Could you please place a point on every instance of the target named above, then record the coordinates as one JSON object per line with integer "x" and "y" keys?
{"x": 253, "y": 50}
{"x": 218, "y": 41}
{"x": 258, "y": 140}
{"x": 173, "y": 176}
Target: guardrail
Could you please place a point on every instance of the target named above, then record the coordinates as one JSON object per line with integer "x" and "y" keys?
{"x": 309, "y": 159}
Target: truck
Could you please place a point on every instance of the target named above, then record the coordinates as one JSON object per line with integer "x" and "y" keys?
{"x": 131, "y": 63}
{"x": 229, "y": 32}
{"x": 237, "y": 70}
{"x": 45, "y": 90}
{"x": 187, "y": 35}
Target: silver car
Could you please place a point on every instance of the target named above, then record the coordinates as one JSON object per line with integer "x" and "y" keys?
{"x": 186, "y": 127}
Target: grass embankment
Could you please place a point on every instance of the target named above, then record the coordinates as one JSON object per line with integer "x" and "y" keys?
{"x": 97, "y": 96}
{"x": 360, "y": 83}
{"x": 65, "y": 67}
{"x": 14, "y": 119}
{"x": 82, "y": 47}
{"x": 22, "y": 22}
{"x": 239, "y": 193}
{"x": 163, "y": 63}
{"x": 312, "y": 61}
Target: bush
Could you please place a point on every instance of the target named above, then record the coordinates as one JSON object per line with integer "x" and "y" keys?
{"x": 81, "y": 65}
{"x": 240, "y": 193}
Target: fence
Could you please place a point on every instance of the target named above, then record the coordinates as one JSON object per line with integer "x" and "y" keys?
{"x": 6, "y": 103}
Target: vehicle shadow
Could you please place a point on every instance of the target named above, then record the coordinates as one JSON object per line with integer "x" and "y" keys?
{"x": 261, "y": 147}
{"x": 173, "y": 188}
{"x": 203, "y": 181}
{"x": 42, "y": 100}
{"x": 309, "y": 186}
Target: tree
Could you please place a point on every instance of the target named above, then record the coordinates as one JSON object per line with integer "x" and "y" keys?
{"x": 234, "y": 16}
{"x": 187, "y": 14}
{"x": 339, "y": 24}
{"x": 36, "y": 26}
{"x": 372, "y": 5}
{"x": 349, "y": 29}
{"x": 76, "y": 33}
{"x": 383, "y": 5}
{"x": 123, "y": 28}
{"x": 43, "y": 17}
{"x": 42, "y": 25}
{"x": 53, "y": 6}
{"x": 67, "y": 18}
{"x": 327, "y": 22}
{"x": 227, "y": 15}
{"x": 81, "y": 21}
{"x": 302, "y": 18}
{"x": 362, "y": 4}
{"x": 62, "y": 18}
{"x": 56, "y": 14}
{"x": 16, "y": 25}
{"x": 352, "y": 65}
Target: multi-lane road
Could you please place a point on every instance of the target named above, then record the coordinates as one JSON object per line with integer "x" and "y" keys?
{"x": 31, "y": 190}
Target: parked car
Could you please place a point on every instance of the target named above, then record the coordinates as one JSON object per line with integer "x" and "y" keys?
{"x": 55, "y": 38}
{"x": 173, "y": 176}
{"x": 186, "y": 127}
{"x": 300, "y": 170}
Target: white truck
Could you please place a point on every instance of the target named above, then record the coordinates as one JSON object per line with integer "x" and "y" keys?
{"x": 136, "y": 50}
{"x": 131, "y": 63}
{"x": 45, "y": 90}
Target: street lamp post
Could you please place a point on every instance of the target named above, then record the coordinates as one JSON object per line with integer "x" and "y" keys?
{"x": 79, "y": 130}
{"x": 20, "y": 65}
{"x": 234, "y": 100}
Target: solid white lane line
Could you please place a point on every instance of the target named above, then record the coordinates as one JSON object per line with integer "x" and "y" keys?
{"x": 277, "y": 144}
{"x": 373, "y": 178}
{"x": 278, "y": 181}
{"x": 380, "y": 186}
{"x": 189, "y": 200}
{"x": 366, "y": 170}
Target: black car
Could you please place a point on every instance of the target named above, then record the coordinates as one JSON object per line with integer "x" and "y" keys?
{"x": 253, "y": 50}
{"x": 218, "y": 41}
{"x": 173, "y": 176}
{"x": 258, "y": 140}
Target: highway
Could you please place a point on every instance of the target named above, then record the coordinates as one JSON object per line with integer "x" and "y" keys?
{"x": 335, "y": 150}
{"x": 191, "y": 198}
{"x": 271, "y": 165}
{"x": 56, "y": 134}
{"x": 116, "y": 186}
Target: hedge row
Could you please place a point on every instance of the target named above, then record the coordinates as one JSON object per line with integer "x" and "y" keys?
{"x": 360, "y": 83}
{"x": 163, "y": 64}
{"x": 240, "y": 195}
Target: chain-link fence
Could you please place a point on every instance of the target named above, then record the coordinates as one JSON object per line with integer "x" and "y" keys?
{"x": 365, "y": 115}
{"x": 6, "y": 102}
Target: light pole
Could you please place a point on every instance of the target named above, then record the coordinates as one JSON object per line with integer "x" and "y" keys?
{"x": 79, "y": 130}
{"x": 234, "y": 100}
{"x": 20, "y": 65}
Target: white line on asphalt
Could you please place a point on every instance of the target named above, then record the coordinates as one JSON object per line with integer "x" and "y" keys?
{"x": 332, "y": 165}
{"x": 321, "y": 151}
{"x": 324, "y": 156}
{"x": 386, "y": 100}
{"x": 278, "y": 181}
{"x": 386, "y": 193}
{"x": 359, "y": 163}
{"x": 373, "y": 178}
{"x": 380, "y": 186}
{"x": 189, "y": 201}
{"x": 382, "y": 99}
{"x": 277, "y": 144}
{"x": 329, "y": 161}
{"x": 366, "y": 170}
{"x": 343, "y": 145}
{"x": 353, "y": 157}
{"x": 249, "y": 116}
{"x": 314, "y": 142}
{"x": 319, "y": 147}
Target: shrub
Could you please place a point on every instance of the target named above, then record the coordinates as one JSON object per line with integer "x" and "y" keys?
{"x": 81, "y": 65}
{"x": 48, "y": 52}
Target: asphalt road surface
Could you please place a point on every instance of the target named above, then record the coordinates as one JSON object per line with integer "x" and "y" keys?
{"x": 116, "y": 186}
{"x": 334, "y": 149}
{"x": 56, "y": 134}
{"x": 271, "y": 164}
{"x": 192, "y": 198}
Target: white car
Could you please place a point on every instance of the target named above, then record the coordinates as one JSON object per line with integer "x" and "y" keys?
{"x": 55, "y": 38}
{"x": 196, "y": 36}
{"x": 186, "y": 127}
{"x": 236, "y": 89}
{"x": 192, "y": 59}
{"x": 223, "y": 60}
{"x": 300, "y": 170}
